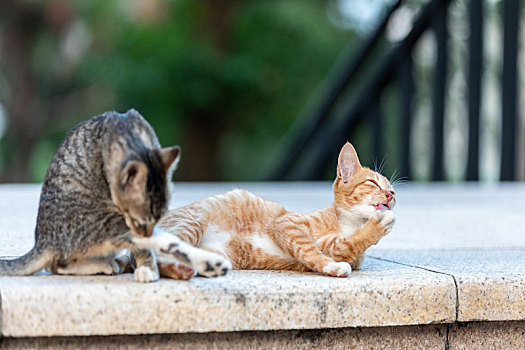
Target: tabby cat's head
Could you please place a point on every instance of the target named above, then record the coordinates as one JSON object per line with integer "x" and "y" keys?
{"x": 141, "y": 191}
{"x": 360, "y": 189}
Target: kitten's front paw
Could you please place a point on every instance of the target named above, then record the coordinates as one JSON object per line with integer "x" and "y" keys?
{"x": 339, "y": 269}
{"x": 212, "y": 265}
{"x": 145, "y": 274}
{"x": 386, "y": 219}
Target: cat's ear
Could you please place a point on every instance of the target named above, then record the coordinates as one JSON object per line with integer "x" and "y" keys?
{"x": 169, "y": 157}
{"x": 347, "y": 163}
{"x": 133, "y": 175}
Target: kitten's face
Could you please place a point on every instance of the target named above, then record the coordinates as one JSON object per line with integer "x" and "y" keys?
{"x": 142, "y": 193}
{"x": 359, "y": 189}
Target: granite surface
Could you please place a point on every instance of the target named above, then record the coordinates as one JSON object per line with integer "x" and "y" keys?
{"x": 455, "y": 254}
{"x": 382, "y": 294}
{"x": 401, "y": 338}
{"x": 490, "y": 283}
{"x": 487, "y": 335}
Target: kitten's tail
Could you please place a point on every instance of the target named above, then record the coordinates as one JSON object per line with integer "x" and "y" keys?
{"x": 35, "y": 260}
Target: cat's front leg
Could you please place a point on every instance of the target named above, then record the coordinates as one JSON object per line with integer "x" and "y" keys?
{"x": 146, "y": 270}
{"x": 351, "y": 247}
{"x": 385, "y": 220}
{"x": 205, "y": 263}
{"x": 299, "y": 244}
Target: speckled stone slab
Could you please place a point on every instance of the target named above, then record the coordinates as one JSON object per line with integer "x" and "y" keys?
{"x": 382, "y": 294}
{"x": 490, "y": 283}
{"x": 487, "y": 335}
{"x": 380, "y": 338}
{"x": 465, "y": 219}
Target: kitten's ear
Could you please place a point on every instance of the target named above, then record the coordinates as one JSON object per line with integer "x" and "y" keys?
{"x": 347, "y": 163}
{"x": 169, "y": 157}
{"x": 133, "y": 175}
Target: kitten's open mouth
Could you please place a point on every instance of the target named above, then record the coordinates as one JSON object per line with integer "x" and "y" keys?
{"x": 382, "y": 206}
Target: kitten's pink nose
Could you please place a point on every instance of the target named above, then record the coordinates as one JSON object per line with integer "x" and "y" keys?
{"x": 389, "y": 196}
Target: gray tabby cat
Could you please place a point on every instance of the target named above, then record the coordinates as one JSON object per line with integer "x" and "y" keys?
{"x": 104, "y": 191}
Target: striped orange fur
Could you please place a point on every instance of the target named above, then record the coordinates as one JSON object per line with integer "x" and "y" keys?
{"x": 255, "y": 233}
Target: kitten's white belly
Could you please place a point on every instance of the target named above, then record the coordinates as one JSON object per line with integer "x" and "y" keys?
{"x": 216, "y": 239}
{"x": 267, "y": 246}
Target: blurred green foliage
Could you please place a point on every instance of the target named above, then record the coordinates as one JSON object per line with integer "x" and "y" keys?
{"x": 225, "y": 79}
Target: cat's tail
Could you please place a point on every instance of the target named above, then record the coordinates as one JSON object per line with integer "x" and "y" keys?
{"x": 35, "y": 260}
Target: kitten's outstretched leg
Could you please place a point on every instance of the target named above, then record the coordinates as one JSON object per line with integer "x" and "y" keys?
{"x": 205, "y": 263}
{"x": 302, "y": 247}
{"x": 165, "y": 267}
{"x": 351, "y": 248}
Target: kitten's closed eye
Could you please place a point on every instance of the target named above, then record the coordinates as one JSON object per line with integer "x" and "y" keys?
{"x": 373, "y": 182}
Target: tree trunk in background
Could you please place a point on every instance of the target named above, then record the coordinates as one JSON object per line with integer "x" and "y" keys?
{"x": 24, "y": 126}
{"x": 28, "y": 114}
{"x": 205, "y": 129}
{"x": 200, "y": 151}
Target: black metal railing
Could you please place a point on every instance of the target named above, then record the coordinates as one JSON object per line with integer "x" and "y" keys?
{"x": 314, "y": 148}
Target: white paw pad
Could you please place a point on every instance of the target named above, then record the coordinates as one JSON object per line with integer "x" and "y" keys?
{"x": 146, "y": 274}
{"x": 339, "y": 269}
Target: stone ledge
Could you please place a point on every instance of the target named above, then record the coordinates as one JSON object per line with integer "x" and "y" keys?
{"x": 471, "y": 336}
{"x": 404, "y": 337}
{"x": 415, "y": 285}
{"x": 490, "y": 283}
{"x": 382, "y": 294}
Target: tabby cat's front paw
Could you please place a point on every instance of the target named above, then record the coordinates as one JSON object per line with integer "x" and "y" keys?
{"x": 338, "y": 269}
{"x": 146, "y": 274}
{"x": 212, "y": 265}
{"x": 386, "y": 218}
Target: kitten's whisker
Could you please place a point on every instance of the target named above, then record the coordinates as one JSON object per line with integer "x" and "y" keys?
{"x": 382, "y": 164}
{"x": 399, "y": 181}
{"x": 396, "y": 172}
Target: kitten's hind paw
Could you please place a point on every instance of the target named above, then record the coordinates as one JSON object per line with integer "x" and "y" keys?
{"x": 175, "y": 270}
{"x": 145, "y": 274}
{"x": 212, "y": 265}
{"x": 338, "y": 269}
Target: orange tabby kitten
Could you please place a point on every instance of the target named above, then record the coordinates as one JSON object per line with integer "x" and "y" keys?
{"x": 258, "y": 234}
